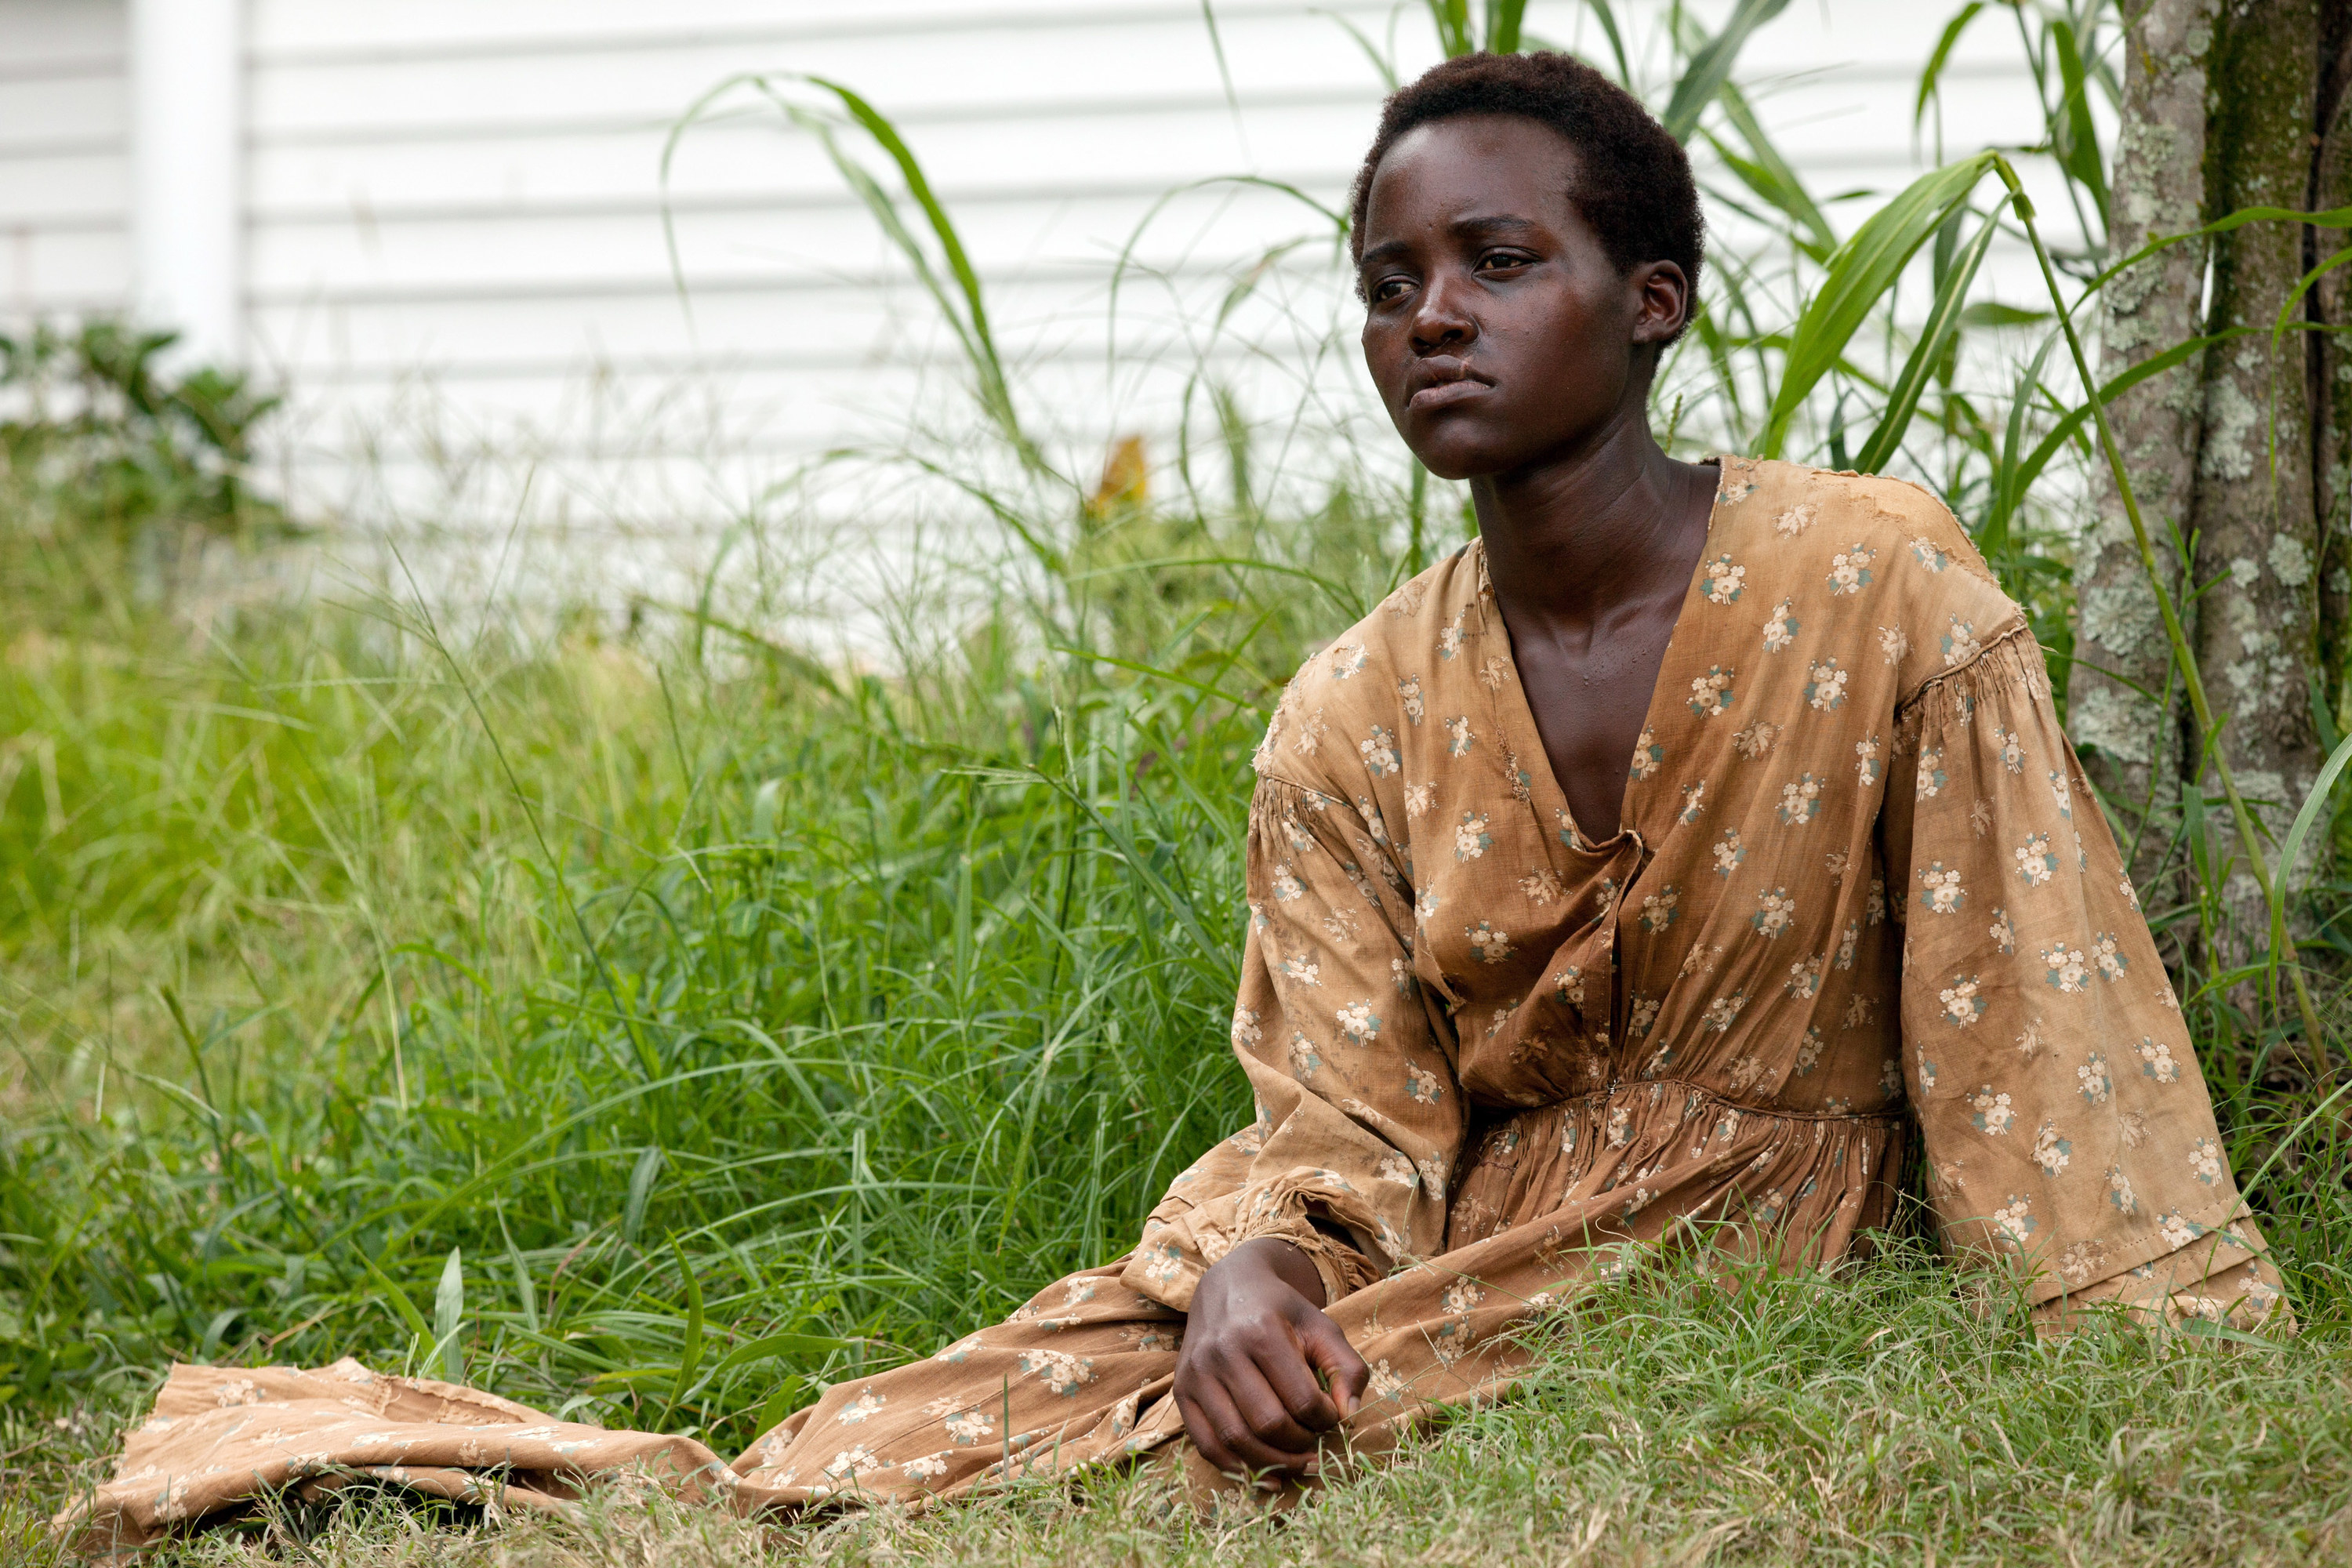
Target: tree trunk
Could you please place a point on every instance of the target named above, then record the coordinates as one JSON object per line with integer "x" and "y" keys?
{"x": 2332, "y": 363}
{"x": 2255, "y": 525}
{"x": 2131, "y": 743}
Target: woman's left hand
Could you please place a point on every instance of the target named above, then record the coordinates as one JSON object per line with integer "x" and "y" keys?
{"x": 1258, "y": 1351}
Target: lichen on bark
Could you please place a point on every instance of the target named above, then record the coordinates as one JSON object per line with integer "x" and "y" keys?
{"x": 2159, "y": 183}
{"x": 2253, "y": 512}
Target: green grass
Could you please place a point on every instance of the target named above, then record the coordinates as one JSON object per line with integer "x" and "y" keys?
{"x": 1797, "y": 1419}
{"x": 737, "y": 1023}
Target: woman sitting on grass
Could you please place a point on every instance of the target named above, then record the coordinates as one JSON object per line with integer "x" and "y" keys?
{"x": 1514, "y": 1014}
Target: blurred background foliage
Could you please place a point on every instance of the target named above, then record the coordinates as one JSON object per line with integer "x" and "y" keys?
{"x": 113, "y": 468}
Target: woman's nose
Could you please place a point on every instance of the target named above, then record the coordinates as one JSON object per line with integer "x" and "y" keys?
{"x": 1442, "y": 319}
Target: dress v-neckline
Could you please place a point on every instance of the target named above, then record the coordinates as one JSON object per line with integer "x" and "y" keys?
{"x": 1514, "y": 715}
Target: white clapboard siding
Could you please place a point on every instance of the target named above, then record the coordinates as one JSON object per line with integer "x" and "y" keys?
{"x": 456, "y": 261}
{"x": 64, "y": 158}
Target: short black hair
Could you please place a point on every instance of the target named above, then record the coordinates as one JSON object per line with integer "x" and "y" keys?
{"x": 1633, "y": 182}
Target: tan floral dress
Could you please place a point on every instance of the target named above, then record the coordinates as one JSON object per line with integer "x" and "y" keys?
{"x": 1860, "y": 885}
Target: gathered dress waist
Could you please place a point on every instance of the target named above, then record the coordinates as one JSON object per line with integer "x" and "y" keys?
{"x": 1640, "y": 1142}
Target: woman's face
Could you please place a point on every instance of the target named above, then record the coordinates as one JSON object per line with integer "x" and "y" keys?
{"x": 1496, "y": 328}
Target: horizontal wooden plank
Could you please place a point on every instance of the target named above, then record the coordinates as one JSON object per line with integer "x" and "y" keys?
{"x": 1144, "y": 141}
{"x": 39, "y": 111}
{"x": 815, "y": 242}
{"x": 290, "y": 33}
{"x": 77, "y": 37}
{"x": 78, "y": 190}
{"x": 1143, "y": 148}
{"x": 298, "y": 32}
{"x": 1081, "y": 64}
{"x": 72, "y": 271}
{"x": 818, "y": 407}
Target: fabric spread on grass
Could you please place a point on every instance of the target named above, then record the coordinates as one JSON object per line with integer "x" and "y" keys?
{"x": 277, "y": 1427}
{"x": 1860, "y": 885}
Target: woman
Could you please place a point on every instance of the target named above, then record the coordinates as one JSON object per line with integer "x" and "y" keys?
{"x": 1511, "y": 1010}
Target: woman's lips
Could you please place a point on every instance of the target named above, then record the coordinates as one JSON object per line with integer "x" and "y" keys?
{"x": 1445, "y": 393}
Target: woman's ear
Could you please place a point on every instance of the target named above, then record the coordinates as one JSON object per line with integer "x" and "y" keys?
{"x": 1666, "y": 301}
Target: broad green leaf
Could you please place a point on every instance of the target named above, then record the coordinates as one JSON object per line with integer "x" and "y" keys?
{"x": 1992, "y": 313}
{"x": 1943, "y": 321}
{"x": 1859, "y": 276}
{"x": 1503, "y": 19}
{"x": 1710, "y": 68}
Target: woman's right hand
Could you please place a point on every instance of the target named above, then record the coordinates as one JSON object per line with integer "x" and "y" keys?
{"x": 1253, "y": 1341}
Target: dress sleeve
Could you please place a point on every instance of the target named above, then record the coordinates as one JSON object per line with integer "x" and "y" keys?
{"x": 2068, "y": 1132}
{"x": 1358, "y": 1113}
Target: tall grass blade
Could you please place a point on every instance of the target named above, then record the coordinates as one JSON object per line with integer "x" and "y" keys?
{"x": 689, "y": 1355}
{"x": 1935, "y": 338}
{"x": 2314, "y": 801}
{"x": 2075, "y": 136}
{"x": 964, "y": 308}
{"x": 1710, "y": 68}
{"x": 2290, "y": 308}
{"x": 1858, "y": 276}
{"x": 406, "y": 1309}
{"x": 1770, "y": 175}
{"x": 998, "y": 389}
{"x": 2334, "y": 217}
{"x": 1452, "y": 19}
{"x": 1381, "y": 63}
{"x": 1225, "y": 68}
{"x": 642, "y": 1177}
{"x": 1931, "y": 77}
{"x": 2014, "y": 482}
{"x": 449, "y": 1318}
{"x": 1604, "y": 13}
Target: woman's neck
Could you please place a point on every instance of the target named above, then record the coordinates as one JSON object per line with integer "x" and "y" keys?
{"x": 1576, "y": 541}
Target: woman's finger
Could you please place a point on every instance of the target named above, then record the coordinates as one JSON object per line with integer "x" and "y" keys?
{"x": 1234, "y": 1448}
{"x": 1202, "y": 1430}
{"x": 1267, "y": 1404}
{"x": 1328, "y": 1350}
{"x": 1290, "y": 1376}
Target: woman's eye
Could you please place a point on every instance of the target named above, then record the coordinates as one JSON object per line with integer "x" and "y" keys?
{"x": 1388, "y": 289}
